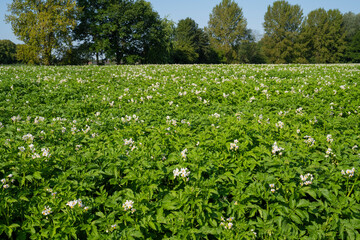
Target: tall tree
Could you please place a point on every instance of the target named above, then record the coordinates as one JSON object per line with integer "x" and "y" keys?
{"x": 88, "y": 29}
{"x": 353, "y": 49}
{"x": 7, "y": 52}
{"x": 191, "y": 44}
{"x": 249, "y": 50}
{"x": 43, "y": 25}
{"x": 324, "y": 36}
{"x": 351, "y": 22}
{"x": 227, "y": 28}
{"x": 282, "y": 27}
{"x": 130, "y": 30}
{"x": 206, "y": 52}
{"x": 186, "y": 41}
{"x": 149, "y": 33}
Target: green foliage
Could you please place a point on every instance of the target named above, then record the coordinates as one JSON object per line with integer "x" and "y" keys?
{"x": 353, "y": 50}
{"x": 44, "y": 27}
{"x": 324, "y": 36}
{"x": 226, "y": 29}
{"x": 186, "y": 45}
{"x": 250, "y": 51}
{"x": 129, "y": 28}
{"x": 88, "y": 29}
{"x": 191, "y": 44}
{"x": 7, "y": 52}
{"x": 282, "y": 25}
{"x": 244, "y": 137}
{"x": 351, "y": 22}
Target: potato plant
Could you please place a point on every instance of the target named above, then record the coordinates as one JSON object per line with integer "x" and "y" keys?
{"x": 180, "y": 152}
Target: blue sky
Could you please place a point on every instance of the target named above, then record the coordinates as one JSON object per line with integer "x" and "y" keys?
{"x": 199, "y": 10}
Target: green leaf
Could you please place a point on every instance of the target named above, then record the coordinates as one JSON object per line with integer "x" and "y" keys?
{"x": 152, "y": 225}
{"x": 100, "y": 214}
{"x": 2, "y": 228}
{"x": 295, "y": 218}
{"x": 302, "y": 203}
{"x": 24, "y": 198}
{"x": 37, "y": 175}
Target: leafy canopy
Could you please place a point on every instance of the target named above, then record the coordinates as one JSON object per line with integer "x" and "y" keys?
{"x": 44, "y": 27}
{"x": 7, "y": 52}
{"x": 226, "y": 28}
{"x": 324, "y": 36}
{"x": 282, "y": 25}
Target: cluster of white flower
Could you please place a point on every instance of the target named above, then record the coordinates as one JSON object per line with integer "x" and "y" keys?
{"x": 281, "y": 113}
{"x": 45, "y": 152}
{"x": 59, "y": 119}
{"x": 128, "y": 205}
{"x": 86, "y": 130}
{"x": 253, "y": 232}
{"x": 215, "y": 115}
{"x": 28, "y": 137}
{"x": 261, "y": 118}
{"x": 279, "y": 124}
{"x": 309, "y": 140}
{"x": 185, "y": 122}
{"x": 205, "y": 101}
{"x": 348, "y": 172}
{"x": 46, "y": 211}
{"x": 233, "y": 145}
{"x": 128, "y": 142}
{"x": 5, "y": 181}
{"x": 77, "y": 202}
{"x": 276, "y": 149}
{"x": 183, "y": 153}
{"x": 113, "y": 226}
{"x": 39, "y": 119}
{"x": 252, "y": 99}
{"x": 183, "y": 172}
{"x": 329, "y": 138}
{"x": 227, "y": 223}
{"x": 299, "y": 111}
{"x": 313, "y": 121}
{"x": 16, "y": 118}
{"x": 131, "y": 143}
{"x": 272, "y": 187}
{"x": 171, "y": 121}
{"x": 1, "y": 125}
{"x": 329, "y": 153}
{"x": 129, "y": 118}
{"x": 21, "y": 148}
{"x": 53, "y": 194}
{"x": 238, "y": 115}
{"x": 77, "y": 147}
{"x": 306, "y": 179}
{"x": 7, "y": 141}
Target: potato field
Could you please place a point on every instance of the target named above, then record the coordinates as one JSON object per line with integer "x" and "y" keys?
{"x": 180, "y": 152}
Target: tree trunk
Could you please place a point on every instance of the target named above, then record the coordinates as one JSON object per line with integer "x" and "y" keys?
{"x": 118, "y": 57}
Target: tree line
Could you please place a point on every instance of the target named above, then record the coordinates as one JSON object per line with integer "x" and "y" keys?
{"x": 130, "y": 31}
